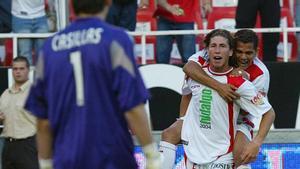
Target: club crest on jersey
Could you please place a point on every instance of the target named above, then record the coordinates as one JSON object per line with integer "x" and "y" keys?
{"x": 258, "y": 99}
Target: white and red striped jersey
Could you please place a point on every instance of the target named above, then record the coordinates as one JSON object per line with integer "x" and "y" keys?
{"x": 258, "y": 74}
{"x": 210, "y": 122}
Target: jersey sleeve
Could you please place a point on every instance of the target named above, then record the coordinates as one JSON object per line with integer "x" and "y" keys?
{"x": 251, "y": 100}
{"x": 185, "y": 90}
{"x": 36, "y": 101}
{"x": 127, "y": 81}
{"x": 200, "y": 57}
{"x": 262, "y": 83}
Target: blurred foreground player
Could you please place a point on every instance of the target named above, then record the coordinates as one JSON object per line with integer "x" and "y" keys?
{"x": 87, "y": 93}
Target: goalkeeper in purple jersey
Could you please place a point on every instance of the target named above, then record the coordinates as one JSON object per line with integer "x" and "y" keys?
{"x": 87, "y": 92}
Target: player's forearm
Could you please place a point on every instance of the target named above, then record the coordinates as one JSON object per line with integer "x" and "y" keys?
{"x": 184, "y": 103}
{"x": 264, "y": 127}
{"x": 138, "y": 122}
{"x": 195, "y": 71}
{"x": 44, "y": 139}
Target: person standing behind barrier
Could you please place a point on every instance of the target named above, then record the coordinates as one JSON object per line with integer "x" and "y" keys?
{"x": 122, "y": 13}
{"x": 19, "y": 151}
{"x": 175, "y": 15}
{"x": 28, "y": 16}
{"x": 87, "y": 93}
{"x": 269, "y": 11}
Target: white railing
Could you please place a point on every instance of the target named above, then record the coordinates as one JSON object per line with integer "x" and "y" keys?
{"x": 143, "y": 35}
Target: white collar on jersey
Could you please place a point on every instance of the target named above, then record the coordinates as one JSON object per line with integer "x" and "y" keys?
{"x": 218, "y": 73}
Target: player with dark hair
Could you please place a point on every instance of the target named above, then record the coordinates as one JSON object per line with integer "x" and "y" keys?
{"x": 19, "y": 125}
{"x": 87, "y": 93}
{"x": 210, "y": 122}
{"x": 245, "y": 44}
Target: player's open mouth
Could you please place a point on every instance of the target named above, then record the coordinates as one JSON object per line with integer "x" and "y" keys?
{"x": 244, "y": 62}
{"x": 217, "y": 57}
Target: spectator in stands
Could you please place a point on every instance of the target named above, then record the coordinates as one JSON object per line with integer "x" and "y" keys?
{"x": 122, "y": 13}
{"x": 297, "y": 20}
{"x": 269, "y": 10}
{"x": 5, "y": 16}
{"x": 19, "y": 151}
{"x": 28, "y": 16}
{"x": 176, "y": 15}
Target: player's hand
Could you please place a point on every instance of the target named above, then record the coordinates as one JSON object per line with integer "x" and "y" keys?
{"x": 250, "y": 153}
{"x": 206, "y": 9}
{"x": 175, "y": 10}
{"x": 153, "y": 157}
{"x": 227, "y": 92}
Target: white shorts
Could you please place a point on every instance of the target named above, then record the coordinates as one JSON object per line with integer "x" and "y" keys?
{"x": 245, "y": 125}
{"x": 220, "y": 163}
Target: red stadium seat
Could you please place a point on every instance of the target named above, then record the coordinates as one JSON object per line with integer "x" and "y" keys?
{"x": 224, "y": 17}
{"x": 221, "y": 18}
{"x": 8, "y": 47}
{"x": 72, "y": 15}
{"x": 224, "y": 3}
{"x": 145, "y": 22}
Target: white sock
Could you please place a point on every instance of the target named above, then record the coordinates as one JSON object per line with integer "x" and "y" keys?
{"x": 168, "y": 151}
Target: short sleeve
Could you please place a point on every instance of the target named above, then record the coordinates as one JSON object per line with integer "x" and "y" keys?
{"x": 127, "y": 81}
{"x": 251, "y": 100}
{"x": 200, "y": 57}
{"x": 36, "y": 101}
{"x": 185, "y": 90}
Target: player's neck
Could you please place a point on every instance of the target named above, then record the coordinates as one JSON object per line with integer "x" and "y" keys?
{"x": 83, "y": 15}
{"x": 101, "y": 15}
{"x": 18, "y": 85}
{"x": 222, "y": 69}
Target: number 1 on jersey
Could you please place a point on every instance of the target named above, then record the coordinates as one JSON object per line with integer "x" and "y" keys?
{"x": 75, "y": 59}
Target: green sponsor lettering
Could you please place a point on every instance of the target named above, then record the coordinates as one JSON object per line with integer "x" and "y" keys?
{"x": 205, "y": 108}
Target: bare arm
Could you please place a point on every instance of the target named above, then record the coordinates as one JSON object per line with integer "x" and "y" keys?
{"x": 206, "y": 6}
{"x": 194, "y": 71}
{"x": 264, "y": 127}
{"x": 138, "y": 123}
{"x": 44, "y": 143}
{"x": 252, "y": 149}
{"x": 185, "y": 100}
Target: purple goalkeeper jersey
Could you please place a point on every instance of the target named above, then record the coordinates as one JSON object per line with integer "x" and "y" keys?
{"x": 85, "y": 80}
